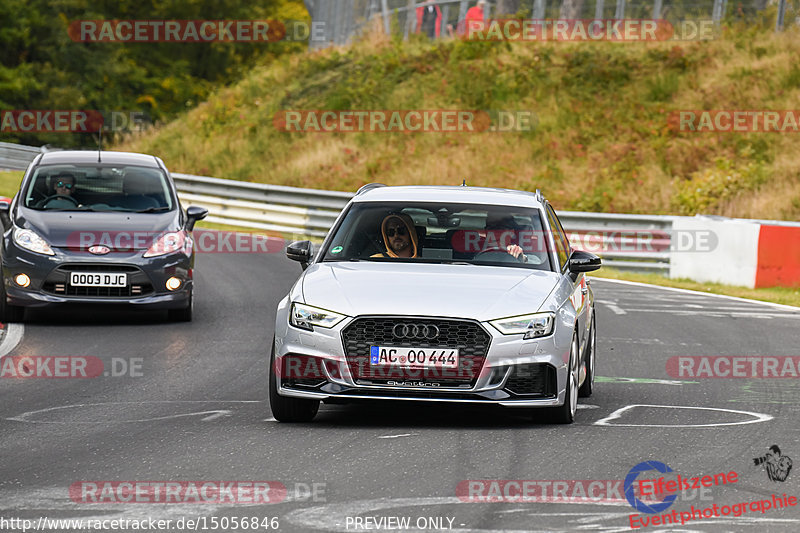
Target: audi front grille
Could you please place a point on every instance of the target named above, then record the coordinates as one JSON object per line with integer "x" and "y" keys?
{"x": 467, "y": 336}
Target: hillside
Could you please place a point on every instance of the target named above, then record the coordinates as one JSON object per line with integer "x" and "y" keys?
{"x": 602, "y": 141}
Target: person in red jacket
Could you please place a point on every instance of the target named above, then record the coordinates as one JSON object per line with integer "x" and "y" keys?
{"x": 429, "y": 19}
{"x": 474, "y": 19}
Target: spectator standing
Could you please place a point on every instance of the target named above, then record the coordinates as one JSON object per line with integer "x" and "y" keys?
{"x": 429, "y": 19}
{"x": 473, "y": 20}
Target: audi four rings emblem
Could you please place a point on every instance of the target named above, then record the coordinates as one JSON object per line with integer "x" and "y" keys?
{"x": 415, "y": 331}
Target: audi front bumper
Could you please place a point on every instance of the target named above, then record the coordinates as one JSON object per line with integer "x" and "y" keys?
{"x": 512, "y": 372}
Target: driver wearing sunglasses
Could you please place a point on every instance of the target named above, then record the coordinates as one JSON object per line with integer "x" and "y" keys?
{"x": 63, "y": 184}
{"x": 399, "y": 236}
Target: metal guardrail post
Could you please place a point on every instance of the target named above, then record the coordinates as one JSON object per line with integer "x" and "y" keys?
{"x": 598, "y": 9}
{"x": 781, "y": 14}
{"x": 538, "y": 9}
{"x": 620, "y": 12}
{"x": 716, "y": 12}
{"x": 462, "y": 10}
{"x": 411, "y": 18}
{"x": 656, "y": 9}
{"x": 386, "y": 16}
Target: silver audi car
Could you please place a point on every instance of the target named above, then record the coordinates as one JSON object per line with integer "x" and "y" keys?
{"x": 438, "y": 294}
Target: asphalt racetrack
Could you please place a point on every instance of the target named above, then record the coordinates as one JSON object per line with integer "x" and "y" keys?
{"x": 190, "y": 406}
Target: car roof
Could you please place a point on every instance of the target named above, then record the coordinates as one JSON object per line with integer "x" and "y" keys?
{"x": 450, "y": 194}
{"x": 90, "y": 156}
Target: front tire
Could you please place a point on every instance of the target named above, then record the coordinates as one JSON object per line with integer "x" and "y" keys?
{"x": 565, "y": 414}
{"x": 182, "y": 315}
{"x": 8, "y": 312}
{"x": 588, "y": 384}
{"x": 285, "y": 408}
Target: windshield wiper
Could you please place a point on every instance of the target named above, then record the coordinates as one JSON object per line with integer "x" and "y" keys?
{"x": 153, "y": 209}
{"x": 87, "y": 208}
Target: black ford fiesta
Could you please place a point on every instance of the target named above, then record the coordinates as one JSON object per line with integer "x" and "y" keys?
{"x": 97, "y": 228}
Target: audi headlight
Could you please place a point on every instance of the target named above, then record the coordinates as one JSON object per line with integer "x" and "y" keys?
{"x": 535, "y": 325}
{"x": 305, "y": 317}
{"x": 29, "y": 240}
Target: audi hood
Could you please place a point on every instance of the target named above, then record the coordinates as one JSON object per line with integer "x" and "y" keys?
{"x": 457, "y": 291}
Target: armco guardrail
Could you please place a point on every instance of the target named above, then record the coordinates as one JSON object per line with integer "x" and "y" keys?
{"x": 17, "y": 156}
{"x": 625, "y": 242}
{"x": 617, "y": 238}
{"x": 311, "y": 212}
{"x": 270, "y": 207}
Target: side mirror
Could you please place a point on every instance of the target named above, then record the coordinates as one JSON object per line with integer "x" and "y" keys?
{"x": 300, "y": 251}
{"x": 581, "y": 261}
{"x": 5, "y": 216}
{"x": 193, "y": 214}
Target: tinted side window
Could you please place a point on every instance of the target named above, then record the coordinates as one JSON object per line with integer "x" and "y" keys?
{"x": 562, "y": 245}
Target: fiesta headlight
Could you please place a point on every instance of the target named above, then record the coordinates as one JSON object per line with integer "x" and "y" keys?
{"x": 28, "y": 239}
{"x": 305, "y": 317}
{"x": 532, "y": 326}
{"x": 169, "y": 243}
{"x": 173, "y": 283}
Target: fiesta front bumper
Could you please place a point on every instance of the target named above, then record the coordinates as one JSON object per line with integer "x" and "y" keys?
{"x": 49, "y": 278}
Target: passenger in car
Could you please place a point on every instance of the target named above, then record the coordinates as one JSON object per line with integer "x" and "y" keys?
{"x": 399, "y": 236}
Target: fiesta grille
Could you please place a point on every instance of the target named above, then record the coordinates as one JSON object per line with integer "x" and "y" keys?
{"x": 57, "y": 281}
{"x": 64, "y": 289}
{"x": 94, "y": 267}
{"x": 469, "y": 337}
{"x": 534, "y": 379}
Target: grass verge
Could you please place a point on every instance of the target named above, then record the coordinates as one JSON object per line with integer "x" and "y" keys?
{"x": 9, "y": 182}
{"x": 780, "y": 295}
{"x": 605, "y": 136}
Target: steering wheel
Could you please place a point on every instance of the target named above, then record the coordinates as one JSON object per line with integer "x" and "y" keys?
{"x": 497, "y": 254}
{"x": 57, "y": 197}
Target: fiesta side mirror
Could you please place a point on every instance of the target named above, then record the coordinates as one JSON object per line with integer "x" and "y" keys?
{"x": 581, "y": 261}
{"x": 193, "y": 214}
{"x": 5, "y": 217}
{"x": 300, "y": 251}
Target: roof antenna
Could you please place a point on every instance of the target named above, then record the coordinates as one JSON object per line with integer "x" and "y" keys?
{"x": 100, "y": 142}
{"x": 464, "y": 183}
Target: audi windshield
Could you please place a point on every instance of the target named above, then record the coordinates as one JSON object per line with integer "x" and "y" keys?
{"x": 441, "y": 233}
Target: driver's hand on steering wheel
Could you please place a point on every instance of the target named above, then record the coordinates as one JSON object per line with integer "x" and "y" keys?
{"x": 516, "y": 251}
